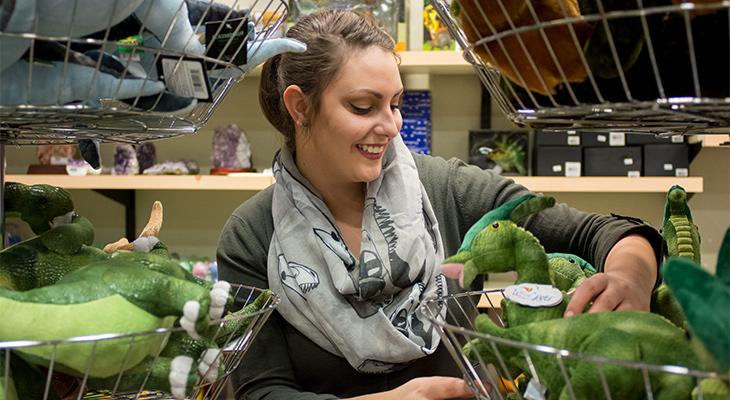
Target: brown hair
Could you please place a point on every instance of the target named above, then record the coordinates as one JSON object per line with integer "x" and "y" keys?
{"x": 328, "y": 35}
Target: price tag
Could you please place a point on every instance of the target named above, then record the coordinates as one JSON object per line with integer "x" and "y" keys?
{"x": 535, "y": 390}
{"x": 633, "y": 174}
{"x": 185, "y": 77}
{"x": 617, "y": 139}
{"x": 573, "y": 140}
{"x": 557, "y": 168}
{"x": 681, "y": 172}
{"x": 628, "y": 161}
{"x": 602, "y": 138}
{"x": 668, "y": 167}
{"x": 534, "y": 295}
{"x": 572, "y": 168}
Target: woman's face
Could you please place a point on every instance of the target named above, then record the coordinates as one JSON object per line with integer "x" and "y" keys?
{"x": 358, "y": 117}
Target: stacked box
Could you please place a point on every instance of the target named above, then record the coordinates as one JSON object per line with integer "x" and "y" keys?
{"x": 558, "y": 153}
{"x": 612, "y": 161}
{"x": 416, "y": 112}
{"x": 666, "y": 160}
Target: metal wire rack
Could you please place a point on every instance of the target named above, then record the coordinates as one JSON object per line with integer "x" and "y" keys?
{"x": 69, "y": 71}
{"x": 57, "y": 382}
{"x": 644, "y": 66}
{"x": 494, "y": 378}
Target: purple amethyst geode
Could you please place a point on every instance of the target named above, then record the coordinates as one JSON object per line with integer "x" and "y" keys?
{"x": 125, "y": 160}
{"x": 231, "y": 148}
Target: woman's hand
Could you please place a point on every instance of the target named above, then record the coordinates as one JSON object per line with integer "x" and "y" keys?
{"x": 426, "y": 388}
{"x": 627, "y": 282}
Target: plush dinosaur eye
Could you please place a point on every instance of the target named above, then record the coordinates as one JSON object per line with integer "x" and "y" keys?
{"x": 495, "y": 225}
{"x": 572, "y": 261}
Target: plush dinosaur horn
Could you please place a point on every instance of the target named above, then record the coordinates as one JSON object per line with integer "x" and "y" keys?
{"x": 498, "y": 214}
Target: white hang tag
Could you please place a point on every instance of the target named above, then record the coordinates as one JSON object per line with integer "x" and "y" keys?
{"x": 617, "y": 139}
{"x": 535, "y": 391}
{"x": 534, "y": 295}
{"x": 185, "y": 77}
{"x": 572, "y": 168}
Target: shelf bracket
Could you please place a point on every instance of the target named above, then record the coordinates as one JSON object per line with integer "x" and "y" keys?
{"x": 125, "y": 197}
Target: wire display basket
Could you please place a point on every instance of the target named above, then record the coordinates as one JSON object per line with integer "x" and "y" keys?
{"x": 495, "y": 376}
{"x": 206, "y": 376}
{"x": 123, "y": 71}
{"x": 643, "y": 66}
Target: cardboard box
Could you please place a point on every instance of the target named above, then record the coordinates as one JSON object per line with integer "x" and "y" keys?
{"x": 557, "y": 138}
{"x": 612, "y": 161}
{"x": 502, "y": 151}
{"x": 558, "y": 161}
{"x": 666, "y": 160}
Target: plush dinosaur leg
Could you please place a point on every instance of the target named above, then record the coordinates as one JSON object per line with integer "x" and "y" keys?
{"x": 174, "y": 375}
{"x": 712, "y": 389}
{"x": 670, "y": 386}
{"x": 623, "y": 382}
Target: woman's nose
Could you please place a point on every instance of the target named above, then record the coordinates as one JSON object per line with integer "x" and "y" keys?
{"x": 390, "y": 123}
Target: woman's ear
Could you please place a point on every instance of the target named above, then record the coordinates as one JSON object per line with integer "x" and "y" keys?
{"x": 296, "y": 104}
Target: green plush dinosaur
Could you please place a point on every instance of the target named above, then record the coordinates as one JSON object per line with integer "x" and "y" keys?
{"x": 63, "y": 243}
{"x": 568, "y": 271}
{"x": 679, "y": 231}
{"x": 683, "y": 240}
{"x": 621, "y": 335}
{"x": 502, "y": 246}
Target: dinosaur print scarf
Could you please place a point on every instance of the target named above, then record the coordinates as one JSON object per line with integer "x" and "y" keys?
{"x": 365, "y": 309}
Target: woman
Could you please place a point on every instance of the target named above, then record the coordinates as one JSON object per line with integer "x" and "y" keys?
{"x": 353, "y": 231}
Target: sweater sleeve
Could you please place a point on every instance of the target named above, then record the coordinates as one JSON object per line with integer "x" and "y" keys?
{"x": 265, "y": 372}
{"x": 559, "y": 229}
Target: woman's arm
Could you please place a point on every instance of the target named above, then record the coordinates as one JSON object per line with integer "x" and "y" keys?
{"x": 624, "y": 249}
{"x": 426, "y": 388}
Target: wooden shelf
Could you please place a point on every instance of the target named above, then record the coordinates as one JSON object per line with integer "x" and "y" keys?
{"x": 716, "y": 140}
{"x": 434, "y": 62}
{"x": 609, "y": 184}
{"x": 422, "y": 62}
{"x": 249, "y": 181}
{"x": 257, "y": 181}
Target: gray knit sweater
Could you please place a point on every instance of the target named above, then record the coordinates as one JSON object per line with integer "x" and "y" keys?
{"x": 283, "y": 364}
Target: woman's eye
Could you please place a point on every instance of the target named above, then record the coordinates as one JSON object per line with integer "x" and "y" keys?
{"x": 395, "y": 107}
{"x": 360, "y": 110}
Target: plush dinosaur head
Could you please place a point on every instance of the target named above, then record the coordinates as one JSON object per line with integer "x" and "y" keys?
{"x": 492, "y": 243}
{"x": 41, "y": 206}
{"x": 676, "y": 203}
